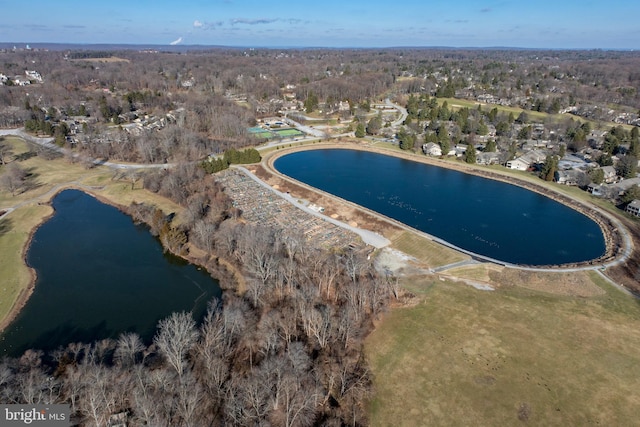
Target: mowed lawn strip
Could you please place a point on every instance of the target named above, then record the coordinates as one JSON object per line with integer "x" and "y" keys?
{"x": 14, "y": 274}
{"x": 427, "y": 251}
{"x": 469, "y": 357}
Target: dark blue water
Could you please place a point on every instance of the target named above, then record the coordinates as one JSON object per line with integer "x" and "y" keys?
{"x": 99, "y": 275}
{"x": 486, "y": 217}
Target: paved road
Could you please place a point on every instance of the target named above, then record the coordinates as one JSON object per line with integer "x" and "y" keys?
{"x": 47, "y": 142}
{"x": 306, "y": 129}
{"x": 403, "y": 113}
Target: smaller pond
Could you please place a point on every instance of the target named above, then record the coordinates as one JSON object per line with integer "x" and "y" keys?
{"x": 99, "y": 274}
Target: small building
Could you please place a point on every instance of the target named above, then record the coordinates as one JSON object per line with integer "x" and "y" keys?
{"x": 33, "y": 75}
{"x": 595, "y": 189}
{"x": 432, "y": 149}
{"x": 619, "y": 188}
{"x": 488, "y": 158}
{"x": 569, "y": 177}
{"x": 633, "y": 208}
{"x": 610, "y": 175}
{"x": 519, "y": 164}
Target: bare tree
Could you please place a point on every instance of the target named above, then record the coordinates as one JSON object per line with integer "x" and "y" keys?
{"x": 175, "y": 337}
{"x": 5, "y": 151}
{"x": 13, "y": 178}
{"x": 128, "y": 346}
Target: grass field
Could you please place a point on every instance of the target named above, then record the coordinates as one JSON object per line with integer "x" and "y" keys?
{"x": 425, "y": 250}
{"x": 287, "y": 133}
{"x": 14, "y": 232}
{"x": 468, "y": 357}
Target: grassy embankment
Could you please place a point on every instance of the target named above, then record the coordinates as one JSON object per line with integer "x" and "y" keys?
{"x": 48, "y": 177}
{"x": 468, "y": 357}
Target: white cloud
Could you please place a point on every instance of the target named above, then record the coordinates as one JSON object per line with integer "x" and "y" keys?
{"x": 175, "y": 42}
{"x": 204, "y": 25}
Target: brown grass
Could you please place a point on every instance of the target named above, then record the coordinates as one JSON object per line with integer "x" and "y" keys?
{"x": 426, "y": 251}
{"x": 468, "y": 357}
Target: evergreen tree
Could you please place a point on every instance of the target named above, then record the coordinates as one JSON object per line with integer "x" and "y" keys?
{"x": 491, "y": 146}
{"x": 597, "y": 176}
{"x": 633, "y": 193}
{"x": 549, "y": 169}
{"x": 627, "y": 166}
{"x": 445, "y": 144}
{"x": 470, "y": 154}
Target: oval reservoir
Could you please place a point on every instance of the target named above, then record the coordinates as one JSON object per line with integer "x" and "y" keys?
{"x": 486, "y": 217}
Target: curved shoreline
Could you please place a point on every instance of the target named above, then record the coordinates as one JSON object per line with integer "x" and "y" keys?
{"x": 25, "y": 294}
{"x": 618, "y": 246}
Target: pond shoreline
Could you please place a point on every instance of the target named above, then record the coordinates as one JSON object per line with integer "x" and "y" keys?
{"x": 47, "y": 199}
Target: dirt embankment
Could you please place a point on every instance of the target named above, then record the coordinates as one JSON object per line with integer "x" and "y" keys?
{"x": 628, "y": 272}
{"x": 332, "y": 206}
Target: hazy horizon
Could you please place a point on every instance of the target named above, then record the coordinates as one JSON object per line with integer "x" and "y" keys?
{"x": 332, "y": 24}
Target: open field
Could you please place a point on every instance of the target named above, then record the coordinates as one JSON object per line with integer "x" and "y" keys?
{"x": 101, "y": 60}
{"x": 468, "y": 357}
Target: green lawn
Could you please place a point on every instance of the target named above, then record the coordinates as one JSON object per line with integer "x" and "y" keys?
{"x": 468, "y": 357}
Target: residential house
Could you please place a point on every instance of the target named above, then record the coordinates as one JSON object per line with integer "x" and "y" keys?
{"x": 34, "y": 75}
{"x": 488, "y": 158}
{"x": 343, "y": 106}
{"x": 633, "y": 208}
{"x": 569, "y": 177}
{"x": 527, "y": 160}
{"x": 610, "y": 175}
{"x": 20, "y": 81}
{"x": 432, "y": 149}
{"x": 618, "y": 189}
{"x": 595, "y": 189}
{"x": 520, "y": 164}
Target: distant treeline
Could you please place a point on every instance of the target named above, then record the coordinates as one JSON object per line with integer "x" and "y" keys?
{"x": 90, "y": 55}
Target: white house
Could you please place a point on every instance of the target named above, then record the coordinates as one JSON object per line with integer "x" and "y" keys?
{"x": 633, "y": 208}
{"x": 33, "y": 75}
{"x": 595, "y": 189}
{"x": 432, "y": 149}
{"x": 520, "y": 164}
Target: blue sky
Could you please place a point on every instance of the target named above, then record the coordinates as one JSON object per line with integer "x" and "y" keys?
{"x": 329, "y": 23}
